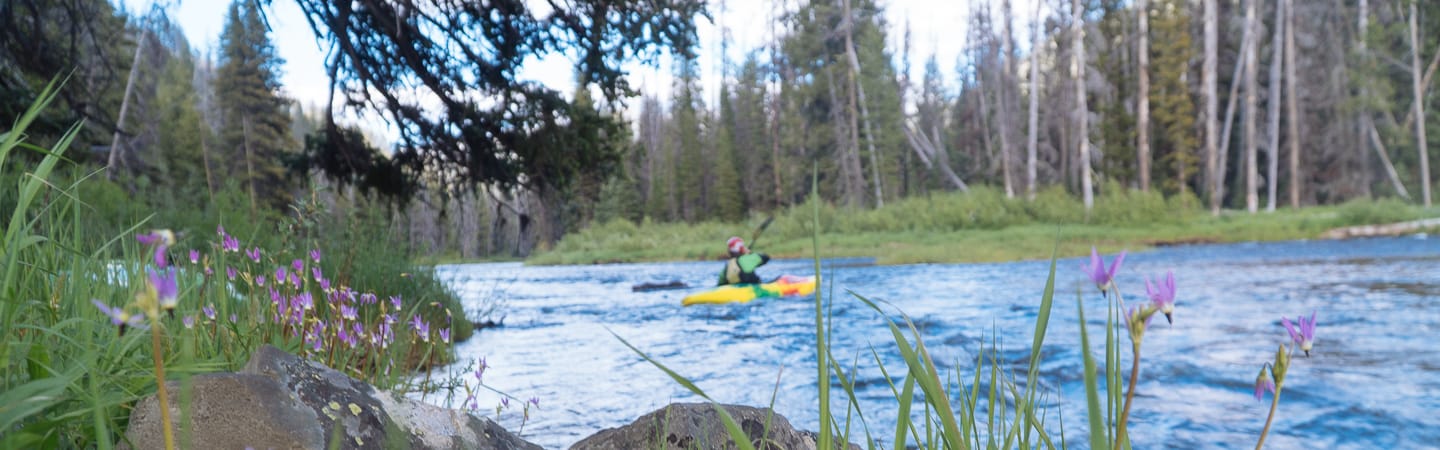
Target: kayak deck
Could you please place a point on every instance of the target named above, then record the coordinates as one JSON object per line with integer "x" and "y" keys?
{"x": 785, "y": 286}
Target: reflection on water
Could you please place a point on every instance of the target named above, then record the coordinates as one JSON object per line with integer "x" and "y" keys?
{"x": 1371, "y": 382}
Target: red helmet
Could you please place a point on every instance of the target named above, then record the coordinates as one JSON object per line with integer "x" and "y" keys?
{"x": 735, "y": 245}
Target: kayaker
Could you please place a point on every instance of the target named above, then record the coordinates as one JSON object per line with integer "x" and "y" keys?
{"x": 740, "y": 268}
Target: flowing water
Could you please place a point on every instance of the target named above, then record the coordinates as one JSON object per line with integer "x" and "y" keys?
{"x": 1372, "y": 381}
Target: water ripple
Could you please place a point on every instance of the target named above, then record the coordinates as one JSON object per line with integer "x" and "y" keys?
{"x": 1373, "y": 380}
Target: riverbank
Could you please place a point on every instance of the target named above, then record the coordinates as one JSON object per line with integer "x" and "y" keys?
{"x": 919, "y": 232}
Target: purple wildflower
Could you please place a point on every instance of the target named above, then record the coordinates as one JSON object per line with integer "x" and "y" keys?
{"x": 315, "y": 336}
{"x": 368, "y": 298}
{"x": 118, "y": 316}
{"x": 445, "y": 335}
{"x": 254, "y": 254}
{"x": 209, "y": 311}
{"x": 347, "y": 312}
{"x": 344, "y": 336}
{"x": 1162, "y": 295}
{"x": 504, "y": 402}
{"x": 324, "y": 285}
{"x": 1103, "y": 279}
{"x": 189, "y": 322}
{"x": 1263, "y": 383}
{"x": 422, "y": 329}
{"x": 395, "y": 301}
{"x": 304, "y": 301}
{"x": 227, "y": 242}
{"x": 280, "y": 274}
{"x": 535, "y": 401}
{"x": 162, "y": 240}
{"x": 1304, "y": 335}
{"x": 230, "y": 273}
{"x": 471, "y": 403}
{"x": 260, "y": 280}
{"x": 298, "y": 265}
{"x": 315, "y": 255}
{"x": 233, "y": 318}
{"x": 167, "y": 292}
{"x": 315, "y": 271}
{"x": 194, "y": 256}
{"x": 480, "y": 371}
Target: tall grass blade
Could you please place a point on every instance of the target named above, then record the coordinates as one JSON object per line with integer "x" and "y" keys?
{"x": 922, "y": 368}
{"x": 1098, "y": 434}
{"x": 821, "y": 350}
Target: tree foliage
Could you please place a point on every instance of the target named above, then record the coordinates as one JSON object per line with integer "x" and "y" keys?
{"x": 446, "y": 76}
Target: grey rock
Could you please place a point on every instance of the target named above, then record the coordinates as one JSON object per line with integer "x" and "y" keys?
{"x": 282, "y": 401}
{"x": 688, "y": 426}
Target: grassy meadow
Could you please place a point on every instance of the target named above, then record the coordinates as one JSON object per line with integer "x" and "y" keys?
{"x": 980, "y": 226}
{"x": 104, "y": 292}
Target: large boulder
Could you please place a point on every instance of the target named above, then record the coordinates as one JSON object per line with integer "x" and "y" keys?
{"x": 282, "y": 401}
{"x": 688, "y": 426}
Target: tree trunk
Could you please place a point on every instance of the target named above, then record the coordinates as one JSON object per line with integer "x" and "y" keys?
{"x": 928, "y": 149}
{"x": 852, "y": 182}
{"x": 1142, "y": 98}
{"x": 1292, "y": 108}
{"x": 1419, "y": 105}
{"x": 1236, "y": 80}
{"x": 1385, "y": 159}
{"x": 1032, "y": 141}
{"x": 864, "y": 110}
{"x": 1424, "y": 84}
{"x": 1002, "y": 91}
{"x": 114, "y": 160}
{"x": 1272, "y": 107}
{"x": 1208, "y": 82}
{"x": 1252, "y": 84}
{"x": 1082, "y": 127}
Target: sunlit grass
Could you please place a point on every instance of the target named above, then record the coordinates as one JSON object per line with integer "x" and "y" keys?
{"x": 981, "y": 226}
{"x": 69, "y": 376}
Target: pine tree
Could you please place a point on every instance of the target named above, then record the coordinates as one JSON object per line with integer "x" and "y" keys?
{"x": 255, "y": 137}
{"x": 1175, "y": 144}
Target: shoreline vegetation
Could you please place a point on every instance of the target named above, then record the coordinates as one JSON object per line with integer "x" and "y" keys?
{"x": 980, "y": 226}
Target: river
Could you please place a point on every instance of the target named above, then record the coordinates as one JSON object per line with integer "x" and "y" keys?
{"x": 1372, "y": 381}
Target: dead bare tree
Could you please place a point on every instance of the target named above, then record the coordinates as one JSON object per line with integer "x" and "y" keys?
{"x": 1419, "y": 104}
{"x": 1292, "y": 108}
{"x": 1272, "y": 106}
{"x": 1142, "y": 97}
{"x": 932, "y": 155}
{"x": 859, "y": 89}
{"x": 1082, "y": 113}
{"x": 1252, "y": 84}
{"x": 1207, "y": 86}
{"x": 1033, "y": 139}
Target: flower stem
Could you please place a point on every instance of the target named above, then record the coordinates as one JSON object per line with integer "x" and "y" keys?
{"x": 1129, "y": 397}
{"x": 1274, "y": 402}
{"x": 160, "y": 386}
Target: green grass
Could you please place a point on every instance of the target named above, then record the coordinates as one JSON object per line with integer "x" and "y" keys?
{"x": 981, "y": 226}
{"x": 69, "y": 377}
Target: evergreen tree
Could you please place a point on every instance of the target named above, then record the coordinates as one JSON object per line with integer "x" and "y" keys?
{"x": 691, "y": 172}
{"x": 182, "y": 131}
{"x": 1175, "y": 145}
{"x": 255, "y": 137}
{"x": 727, "y": 200}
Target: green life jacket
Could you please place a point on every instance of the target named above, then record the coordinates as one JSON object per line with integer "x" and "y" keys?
{"x": 741, "y": 269}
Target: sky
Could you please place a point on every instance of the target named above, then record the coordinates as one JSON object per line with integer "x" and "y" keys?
{"x": 937, "y": 26}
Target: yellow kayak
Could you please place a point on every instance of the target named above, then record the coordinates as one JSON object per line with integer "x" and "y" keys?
{"x": 785, "y": 286}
